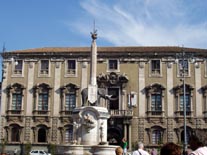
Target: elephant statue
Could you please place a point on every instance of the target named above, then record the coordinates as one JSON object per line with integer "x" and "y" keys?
{"x": 101, "y": 93}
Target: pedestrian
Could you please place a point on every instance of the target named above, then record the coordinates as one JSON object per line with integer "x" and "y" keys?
{"x": 119, "y": 151}
{"x": 170, "y": 149}
{"x": 154, "y": 151}
{"x": 15, "y": 151}
{"x": 140, "y": 150}
{"x": 197, "y": 146}
{"x": 124, "y": 145}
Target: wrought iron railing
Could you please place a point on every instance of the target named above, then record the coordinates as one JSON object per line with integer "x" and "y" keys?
{"x": 121, "y": 112}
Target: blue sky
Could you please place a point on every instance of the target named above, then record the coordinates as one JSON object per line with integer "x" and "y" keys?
{"x": 68, "y": 23}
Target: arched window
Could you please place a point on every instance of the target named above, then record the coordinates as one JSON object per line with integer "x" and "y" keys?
{"x": 15, "y": 134}
{"x": 114, "y": 136}
{"x": 41, "y": 98}
{"x": 179, "y": 98}
{"x": 17, "y": 99}
{"x": 155, "y": 95}
{"x": 188, "y": 134}
{"x": 42, "y": 137}
{"x": 69, "y": 134}
{"x": 15, "y": 95}
{"x": 156, "y": 137}
{"x": 156, "y": 134}
{"x": 68, "y": 98}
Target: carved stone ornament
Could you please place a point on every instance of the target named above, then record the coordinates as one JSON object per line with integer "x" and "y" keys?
{"x": 169, "y": 64}
{"x": 30, "y": 64}
{"x": 57, "y": 64}
{"x": 88, "y": 122}
{"x": 141, "y": 65}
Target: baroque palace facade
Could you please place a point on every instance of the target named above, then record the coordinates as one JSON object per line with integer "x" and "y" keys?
{"x": 42, "y": 86}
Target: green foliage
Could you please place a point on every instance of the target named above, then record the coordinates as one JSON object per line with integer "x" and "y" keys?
{"x": 3, "y": 146}
{"x": 52, "y": 148}
{"x": 134, "y": 145}
{"x": 28, "y": 147}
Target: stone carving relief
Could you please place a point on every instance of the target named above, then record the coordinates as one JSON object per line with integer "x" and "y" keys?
{"x": 141, "y": 65}
{"x": 88, "y": 122}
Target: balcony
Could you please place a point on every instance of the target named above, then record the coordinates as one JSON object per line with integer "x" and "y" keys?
{"x": 181, "y": 113}
{"x": 71, "y": 71}
{"x": 44, "y": 71}
{"x": 18, "y": 71}
{"x": 66, "y": 113}
{"x": 12, "y": 114}
{"x": 41, "y": 112}
{"x": 41, "y": 115}
{"x": 121, "y": 113}
{"x": 155, "y": 113}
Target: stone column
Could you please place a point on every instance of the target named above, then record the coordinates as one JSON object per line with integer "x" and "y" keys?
{"x": 125, "y": 130}
{"x": 130, "y": 135}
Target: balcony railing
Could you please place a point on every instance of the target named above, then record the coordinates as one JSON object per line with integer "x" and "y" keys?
{"x": 14, "y": 112}
{"x": 156, "y": 113}
{"x": 66, "y": 113}
{"x": 71, "y": 71}
{"x": 41, "y": 112}
{"x": 121, "y": 113}
{"x": 44, "y": 71}
{"x": 181, "y": 113}
{"x": 18, "y": 71}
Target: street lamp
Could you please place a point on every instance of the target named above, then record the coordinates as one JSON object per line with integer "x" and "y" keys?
{"x": 182, "y": 67}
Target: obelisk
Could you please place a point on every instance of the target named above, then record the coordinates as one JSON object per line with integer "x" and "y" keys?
{"x": 92, "y": 87}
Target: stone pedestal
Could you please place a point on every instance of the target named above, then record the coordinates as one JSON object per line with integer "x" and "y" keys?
{"x": 91, "y": 125}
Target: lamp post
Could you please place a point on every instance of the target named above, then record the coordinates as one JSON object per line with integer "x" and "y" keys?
{"x": 184, "y": 65}
{"x": 184, "y": 101}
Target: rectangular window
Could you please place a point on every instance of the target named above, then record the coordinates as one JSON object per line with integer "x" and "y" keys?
{"x": 187, "y": 101}
{"x": 18, "y": 67}
{"x": 44, "y": 67}
{"x": 70, "y": 101}
{"x": 71, "y": 67}
{"x": 156, "y": 104}
{"x": 183, "y": 67}
{"x": 113, "y": 64}
{"x": 43, "y": 101}
{"x": 16, "y": 101}
{"x": 155, "y": 67}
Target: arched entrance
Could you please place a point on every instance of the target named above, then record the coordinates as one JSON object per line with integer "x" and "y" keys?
{"x": 114, "y": 136}
{"x": 42, "y": 135}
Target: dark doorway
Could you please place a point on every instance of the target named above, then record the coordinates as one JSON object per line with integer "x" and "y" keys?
{"x": 15, "y": 136}
{"x": 114, "y": 103}
{"x": 41, "y": 135}
{"x": 114, "y": 136}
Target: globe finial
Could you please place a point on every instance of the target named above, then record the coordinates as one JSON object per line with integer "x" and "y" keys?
{"x": 94, "y": 33}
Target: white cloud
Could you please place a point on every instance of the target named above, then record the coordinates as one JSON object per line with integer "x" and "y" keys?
{"x": 145, "y": 22}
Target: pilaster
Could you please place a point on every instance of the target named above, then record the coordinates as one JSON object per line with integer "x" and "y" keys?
{"x": 141, "y": 81}
{"x": 198, "y": 105}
